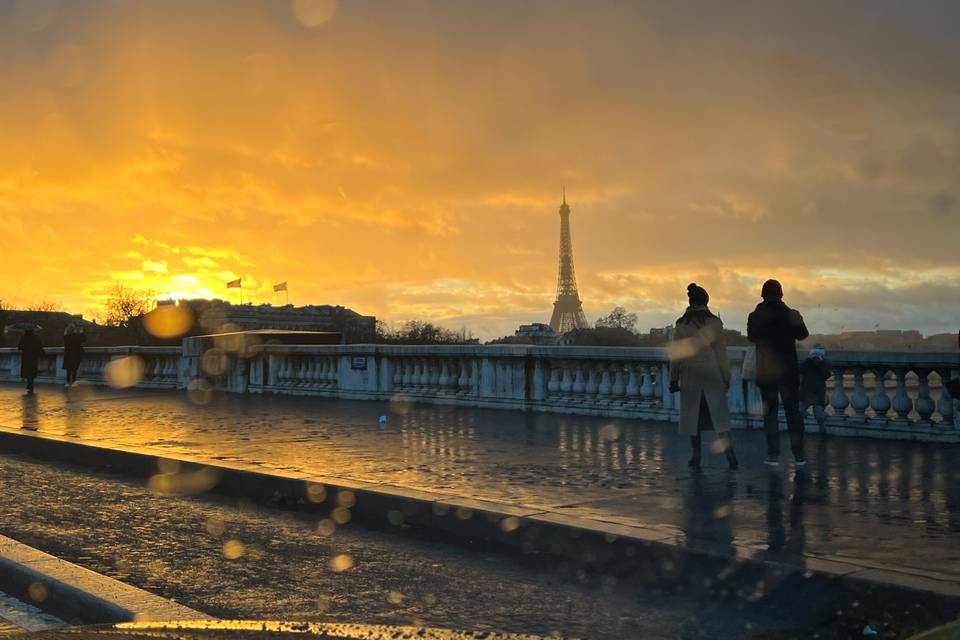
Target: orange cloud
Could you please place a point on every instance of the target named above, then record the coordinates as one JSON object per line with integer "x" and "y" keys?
{"x": 405, "y": 159}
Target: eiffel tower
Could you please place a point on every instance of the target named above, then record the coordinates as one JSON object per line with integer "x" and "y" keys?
{"x": 567, "y": 310}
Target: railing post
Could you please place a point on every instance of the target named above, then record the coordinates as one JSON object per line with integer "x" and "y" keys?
{"x": 902, "y": 403}
{"x": 880, "y": 402}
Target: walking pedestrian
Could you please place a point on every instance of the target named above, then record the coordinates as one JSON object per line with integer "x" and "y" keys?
{"x": 31, "y": 348}
{"x": 700, "y": 371}
{"x": 774, "y": 328}
{"x": 73, "y": 339}
{"x": 814, "y": 373}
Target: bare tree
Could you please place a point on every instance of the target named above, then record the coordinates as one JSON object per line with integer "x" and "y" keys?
{"x": 417, "y": 332}
{"x": 45, "y": 305}
{"x": 618, "y": 318}
{"x": 125, "y": 302}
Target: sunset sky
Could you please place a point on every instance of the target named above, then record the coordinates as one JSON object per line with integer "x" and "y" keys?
{"x": 406, "y": 158}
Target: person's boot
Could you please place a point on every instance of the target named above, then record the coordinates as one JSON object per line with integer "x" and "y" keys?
{"x": 694, "y": 462}
{"x": 732, "y": 459}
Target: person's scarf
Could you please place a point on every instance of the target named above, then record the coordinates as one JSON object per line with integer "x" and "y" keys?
{"x": 697, "y": 315}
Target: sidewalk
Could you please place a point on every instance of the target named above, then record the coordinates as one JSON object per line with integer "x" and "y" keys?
{"x": 867, "y": 506}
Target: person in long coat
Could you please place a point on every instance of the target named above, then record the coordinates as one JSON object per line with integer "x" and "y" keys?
{"x": 700, "y": 371}
{"x": 73, "y": 339}
{"x": 31, "y": 348}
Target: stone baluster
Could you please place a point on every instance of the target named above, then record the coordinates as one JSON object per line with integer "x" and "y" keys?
{"x": 880, "y": 402}
{"x": 859, "y": 400}
{"x": 924, "y": 403}
{"x": 425, "y": 366}
{"x": 443, "y": 380}
{"x": 416, "y": 369}
{"x": 605, "y": 388}
{"x": 328, "y": 371}
{"x": 579, "y": 382}
{"x": 838, "y": 399}
{"x": 646, "y": 383}
{"x": 433, "y": 381}
{"x": 333, "y": 365}
{"x": 633, "y": 384}
{"x": 619, "y": 389}
{"x": 311, "y": 368}
{"x": 463, "y": 382}
{"x": 945, "y": 404}
{"x": 553, "y": 386}
{"x": 902, "y": 403}
{"x": 663, "y": 387}
{"x": 566, "y": 383}
{"x": 592, "y": 383}
{"x": 303, "y": 372}
{"x": 398, "y": 365}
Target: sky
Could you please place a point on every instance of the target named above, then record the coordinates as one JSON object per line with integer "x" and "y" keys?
{"x": 405, "y": 158}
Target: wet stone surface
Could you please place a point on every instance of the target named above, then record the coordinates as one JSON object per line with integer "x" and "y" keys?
{"x": 234, "y": 559}
{"x": 874, "y": 503}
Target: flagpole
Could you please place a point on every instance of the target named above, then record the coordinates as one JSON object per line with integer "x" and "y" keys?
{"x": 241, "y": 292}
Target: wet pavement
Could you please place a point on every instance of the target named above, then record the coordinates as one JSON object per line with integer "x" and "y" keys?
{"x": 237, "y": 560}
{"x": 879, "y": 505}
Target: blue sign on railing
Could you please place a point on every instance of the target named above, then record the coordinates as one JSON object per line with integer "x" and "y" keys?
{"x": 358, "y": 363}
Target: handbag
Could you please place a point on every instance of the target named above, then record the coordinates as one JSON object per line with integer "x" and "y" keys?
{"x": 748, "y": 371}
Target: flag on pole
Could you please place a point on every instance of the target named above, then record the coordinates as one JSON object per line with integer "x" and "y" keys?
{"x": 281, "y": 286}
{"x": 234, "y": 284}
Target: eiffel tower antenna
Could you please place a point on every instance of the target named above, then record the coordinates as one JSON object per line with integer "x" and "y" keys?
{"x": 567, "y": 310}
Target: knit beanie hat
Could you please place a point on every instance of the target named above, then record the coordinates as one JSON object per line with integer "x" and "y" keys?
{"x": 697, "y": 295}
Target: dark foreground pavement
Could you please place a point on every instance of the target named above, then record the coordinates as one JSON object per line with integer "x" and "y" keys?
{"x": 235, "y": 559}
{"x": 880, "y": 509}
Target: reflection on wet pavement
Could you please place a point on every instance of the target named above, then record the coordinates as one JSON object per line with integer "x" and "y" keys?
{"x": 881, "y": 503}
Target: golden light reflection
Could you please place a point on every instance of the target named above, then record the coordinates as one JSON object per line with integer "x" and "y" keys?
{"x": 168, "y": 321}
{"x": 340, "y": 515}
{"x": 233, "y": 549}
{"x": 124, "y": 372}
{"x": 341, "y": 562}
{"x": 314, "y": 13}
{"x": 316, "y": 492}
{"x": 214, "y": 362}
{"x": 216, "y": 526}
{"x": 326, "y": 527}
{"x": 37, "y": 592}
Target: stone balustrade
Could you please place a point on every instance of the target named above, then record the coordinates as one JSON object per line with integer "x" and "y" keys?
{"x": 880, "y": 394}
{"x": 157, "y": 367}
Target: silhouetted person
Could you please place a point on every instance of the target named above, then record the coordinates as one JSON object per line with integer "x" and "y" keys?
{"x": 700, "y": 371}
{"x": 31, "y": 348}
{"x": 774, "y": 328}
{"x": 73, "y": 339}
{"x": 814, "y": 374}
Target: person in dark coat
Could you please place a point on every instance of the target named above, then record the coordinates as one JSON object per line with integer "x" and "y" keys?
{"x": 73, "y": 339}
{"x": 775, "y": 328}
{"x": 700, "y": 371}
{"x": 31, "y": 348}
{"x": 814, "y": 374}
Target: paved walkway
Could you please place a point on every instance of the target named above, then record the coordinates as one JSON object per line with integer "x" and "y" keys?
{"x": 877, "y": 505}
